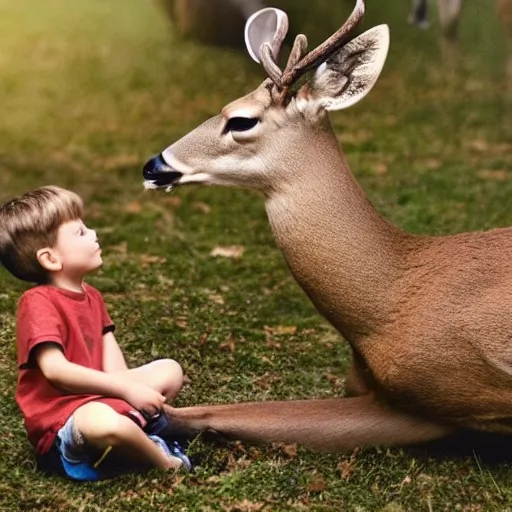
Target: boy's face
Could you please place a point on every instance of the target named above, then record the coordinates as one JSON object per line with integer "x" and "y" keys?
{"x": 77, "y": 249}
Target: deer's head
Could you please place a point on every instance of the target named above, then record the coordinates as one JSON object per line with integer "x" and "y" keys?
{"x": 256, "y": 141}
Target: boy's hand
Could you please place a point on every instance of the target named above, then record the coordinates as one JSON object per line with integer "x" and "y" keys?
{"x": 143, "y": 398}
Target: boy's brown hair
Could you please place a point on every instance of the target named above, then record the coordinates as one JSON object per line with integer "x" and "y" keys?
{"x": 29, "y": 223}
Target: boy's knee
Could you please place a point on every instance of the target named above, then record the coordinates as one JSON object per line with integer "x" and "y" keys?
{"x": 100, "y": 425}
{"x": 169, "y": 370}
{"x": 170, "y": 376}
{"x": 173, "y": 368}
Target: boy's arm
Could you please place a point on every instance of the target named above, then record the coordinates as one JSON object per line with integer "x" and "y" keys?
{"x": 113, "y": 359}
{"x": 76, "y": 379}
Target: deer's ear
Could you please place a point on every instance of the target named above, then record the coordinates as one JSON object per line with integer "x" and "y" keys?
{"x": 268, "y": 25}
{"x": 349, "y": 75}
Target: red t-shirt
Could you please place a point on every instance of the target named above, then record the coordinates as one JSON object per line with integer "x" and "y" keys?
{"x": 76, "y": 322}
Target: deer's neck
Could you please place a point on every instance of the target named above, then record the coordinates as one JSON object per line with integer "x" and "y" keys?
{"x": 342, "y": 252}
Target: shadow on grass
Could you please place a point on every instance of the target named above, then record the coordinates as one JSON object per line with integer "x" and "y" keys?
{"x": 486, "y": 448}
{"x": 490, "y": 449}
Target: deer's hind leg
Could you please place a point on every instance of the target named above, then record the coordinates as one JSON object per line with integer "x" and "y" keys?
{"x": 360, "y": 380}
{"x": 331, "y": 425}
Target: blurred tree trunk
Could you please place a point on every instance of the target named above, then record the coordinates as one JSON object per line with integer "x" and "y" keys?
{"x": 217, "y": 22}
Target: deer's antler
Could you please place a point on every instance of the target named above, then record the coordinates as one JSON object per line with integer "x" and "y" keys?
{"x": 269, "y": 64}
{"x": 300, "y": 48}
{"x": 322, "y": 52}
{"x": 299, "y": 62}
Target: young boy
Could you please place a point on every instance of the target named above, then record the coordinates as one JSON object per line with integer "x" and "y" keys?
{"x": 77, "y": 395}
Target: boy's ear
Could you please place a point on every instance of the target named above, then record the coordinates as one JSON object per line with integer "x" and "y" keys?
{"x": 48, "y": 259}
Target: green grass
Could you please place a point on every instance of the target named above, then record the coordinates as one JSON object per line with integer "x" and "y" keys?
{"x": 89, "y": 90}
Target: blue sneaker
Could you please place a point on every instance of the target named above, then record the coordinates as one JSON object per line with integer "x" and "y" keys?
{"x": 80, "y": 470}
{"x": 178, "y": 451}
{"x": 174, "y": 450}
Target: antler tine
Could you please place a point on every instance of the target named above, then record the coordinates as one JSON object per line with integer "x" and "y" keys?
{"x": 269, "y": 50}
{"x": 326, "y": 49}
{"x": 299, "y": 49}
{"x": 269, "y": 65}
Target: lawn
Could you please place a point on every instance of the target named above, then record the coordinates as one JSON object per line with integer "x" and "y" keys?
{"x": 90, "y": 89}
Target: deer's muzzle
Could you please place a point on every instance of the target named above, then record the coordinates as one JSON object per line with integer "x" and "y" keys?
{"x": 158, "y": 173}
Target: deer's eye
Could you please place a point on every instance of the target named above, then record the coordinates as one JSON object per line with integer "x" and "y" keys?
{"x": 241, "y": 124}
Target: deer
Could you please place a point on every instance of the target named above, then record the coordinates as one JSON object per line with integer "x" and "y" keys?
{"x": 449, "y": 17}
{"x": 449, "y": 12}
{"x": 427, "y": 318}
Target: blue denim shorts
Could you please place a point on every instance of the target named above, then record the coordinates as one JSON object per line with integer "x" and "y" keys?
{"x": 77, "y": 462}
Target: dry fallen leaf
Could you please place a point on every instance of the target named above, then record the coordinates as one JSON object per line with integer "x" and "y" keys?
{"x": 380, "y": 168}
{"x": 235, "y": 463}
{"x": 345, "y": 468}
{"x": 230, "y": 251}
{"x": 431, "y": 163}
{"x": 244, "y": 506}
{"x": 121, "y": 248}
{"x": 202, "y": 207}
{"x": 133, "y": 207}
{"x": 228, "y": 344}
{"x": 335, "y": 381}
{"x": 177, "y": 481}
{"x": 265, "y": 381}
{"x": 316, "y": 485}
{"x": 181, "y": 322}
{"x": 216, "y": 298}
{"x": 165, "y": 280}
{"x": 171, "y": 200}
{"x": 495, "y": 175}
{"x": 479, "y": 145}
{"x": 290, "y": 450}
{"x": 148, "y": 259}
{"x": 280, "y": 330}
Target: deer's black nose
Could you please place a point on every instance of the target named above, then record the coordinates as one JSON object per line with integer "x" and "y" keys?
{"x": 154, "y": 168}
{"x": 158, "y": 173}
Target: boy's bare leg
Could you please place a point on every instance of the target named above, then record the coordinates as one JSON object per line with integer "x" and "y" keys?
{"x": 163, "y": 375}
{"x": 102, "y": 427}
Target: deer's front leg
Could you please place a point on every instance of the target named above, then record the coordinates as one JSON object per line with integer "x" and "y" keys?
{"x": 330, "y": 425}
